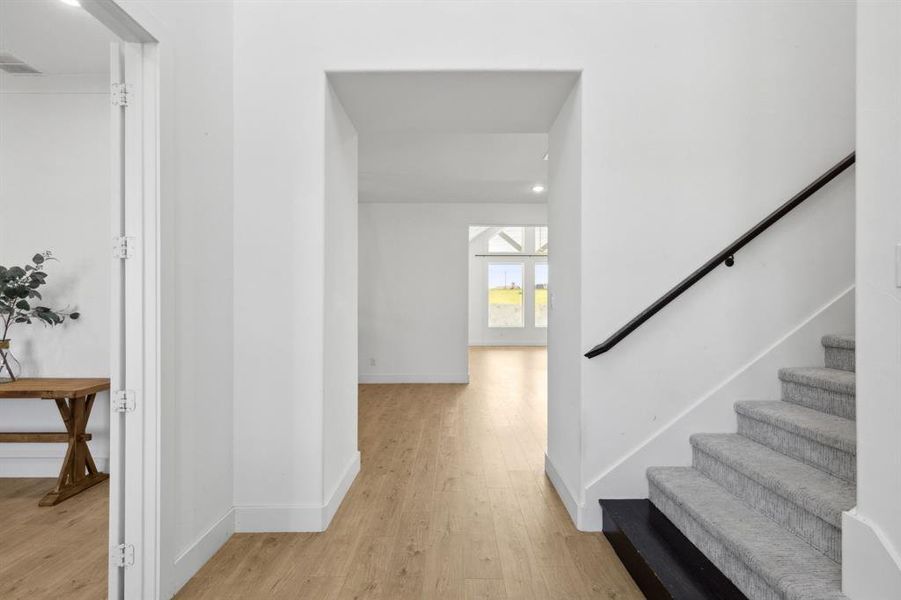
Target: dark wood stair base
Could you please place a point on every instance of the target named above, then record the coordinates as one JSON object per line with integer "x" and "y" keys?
{"x": 663, "y": 562}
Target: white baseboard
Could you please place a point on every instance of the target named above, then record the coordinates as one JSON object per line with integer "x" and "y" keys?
{"x": 414, "y": 378}
{"x": 871, "y": 568}
{"x": 40, "y": 466}
{"x": 341, "y": 489}
{"x": 296, "y": 517}
{"x": 713, "y": 411}
{"x": 502, "y": 343}
{"x": 204, "y": 547}
{"x": 566, "y": 496}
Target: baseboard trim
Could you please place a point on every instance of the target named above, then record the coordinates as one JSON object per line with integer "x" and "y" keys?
{"x": 340, "y": 491}
{"x": 413, "y": 378}
{"x": 271, "y": 518}
{"x": 713, "y": 410}
{"x": 204, "y": 547}
{"x": 296, "y": 518}
{"x": 509, "y": 343}
{"x": 40, "y": 466}
{"x": 569, "y": 500}
{"x": 871, "y": 567}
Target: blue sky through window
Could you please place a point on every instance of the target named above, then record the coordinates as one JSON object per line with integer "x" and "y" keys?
{"x": 541, "y": 275}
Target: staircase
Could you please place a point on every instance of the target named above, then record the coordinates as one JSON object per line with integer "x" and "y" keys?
{"x": 765, "y": 504}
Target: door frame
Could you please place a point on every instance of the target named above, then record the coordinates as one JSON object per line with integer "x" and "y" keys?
{"x": 134, "y": 514}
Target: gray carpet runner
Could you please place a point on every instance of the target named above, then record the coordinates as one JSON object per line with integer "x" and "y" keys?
{"x": 765, "y": 504}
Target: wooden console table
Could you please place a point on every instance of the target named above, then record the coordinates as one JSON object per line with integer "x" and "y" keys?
{"x": 74, "y": 398}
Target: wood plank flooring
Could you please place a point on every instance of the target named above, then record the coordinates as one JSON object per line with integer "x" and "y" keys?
{"x": 52, "y": 551}
{"x": 451, "y": 503}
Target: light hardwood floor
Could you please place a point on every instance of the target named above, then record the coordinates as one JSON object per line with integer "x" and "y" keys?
{"x": 451, "y": 502}
{"x": 52, "y": 551}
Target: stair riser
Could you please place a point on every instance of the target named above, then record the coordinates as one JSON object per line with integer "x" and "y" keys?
{"x": 840, "y": 358}
{"x": 833, "y": 403}
{"x": 749, "y": 582}
{"x": 827, "y": 458}
{"x": 820, "y": 534}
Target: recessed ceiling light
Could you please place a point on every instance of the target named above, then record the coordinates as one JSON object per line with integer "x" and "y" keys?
{"x": 71, "y": 2}
{"x": 537, "y": 188}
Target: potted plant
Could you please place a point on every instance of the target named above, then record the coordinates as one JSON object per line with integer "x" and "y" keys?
{"x": 18, "y": 293}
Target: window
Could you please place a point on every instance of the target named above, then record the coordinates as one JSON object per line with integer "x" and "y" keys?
{"x": 506, "y": 241}
{"x": 505, "y": 302}
{"x": 541, "y": 240}
{"x": 541, "y": 294}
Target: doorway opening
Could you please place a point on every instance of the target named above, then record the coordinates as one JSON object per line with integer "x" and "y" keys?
{"x": 77, "y": 173}
{"x": 441, "y": 189}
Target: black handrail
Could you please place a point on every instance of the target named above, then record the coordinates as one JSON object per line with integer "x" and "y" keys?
{"x": 726, "y": 256}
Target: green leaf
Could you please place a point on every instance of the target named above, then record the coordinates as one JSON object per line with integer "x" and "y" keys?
{"x": 37, "y": 259}
{"x": 23, "y": 305}
{"x": 74, "y": 315}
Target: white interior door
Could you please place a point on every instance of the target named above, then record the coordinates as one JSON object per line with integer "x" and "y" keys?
{"x": 127, "y": 462}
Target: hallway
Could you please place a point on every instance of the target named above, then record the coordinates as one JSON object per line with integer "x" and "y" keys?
{"x": 451, "y": 502}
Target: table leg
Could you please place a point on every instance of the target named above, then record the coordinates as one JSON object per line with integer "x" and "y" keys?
{"x": 78, "y": 471}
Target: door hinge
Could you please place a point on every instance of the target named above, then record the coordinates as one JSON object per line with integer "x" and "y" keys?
{"x": 119, "y": 94}
{"x": 123, "y": 246}
{"x": 122, "y": 555}
{"x": 123, "y": 401}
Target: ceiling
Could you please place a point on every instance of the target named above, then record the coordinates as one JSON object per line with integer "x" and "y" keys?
{"x": 454, "y": 136}
{"x": 446, "y": 167}
{"x": 54, "y": 38}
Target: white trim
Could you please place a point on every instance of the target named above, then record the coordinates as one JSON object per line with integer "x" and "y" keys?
{"x": 871, "y": 567}
{"x": 265, "y": 518}
{"x": 414, "y": 378}
{"x": 203, "y": 548}
{"x": 268, "y": 518}
{"x": 566, "y": 496}
{"x": 713, "y": 410}
{"x": 343, "y": 486}
{"x": 502, "y": 343}
{"x": 41, "y": 466}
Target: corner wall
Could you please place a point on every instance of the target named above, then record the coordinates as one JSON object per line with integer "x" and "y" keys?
{"x": 197, "y": 282}
{"x": 564, "y": 446}
{"x": 341, "y": 459}
{"x": 871, "y": 533}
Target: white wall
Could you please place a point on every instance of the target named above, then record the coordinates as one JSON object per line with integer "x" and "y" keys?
{"x": 871, "y": 534}
{"x": 341, "y": 459}
{"x": 414, "y": 279}
{"x": 54, "y": 195}
{"x": 198, "y": 280}
{"x": 697, "y": 120}
{"x": 480, "y": 334}
{"x": 564, "y": 430}
{"x": 744, "y": 106}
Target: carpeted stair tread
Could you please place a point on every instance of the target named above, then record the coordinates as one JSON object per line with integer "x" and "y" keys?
{"x": 788, "y": 564}
{"x": 824, "y": 428}
{"x": 808, "y": 487}
{"x": 838, "y": 340}
{"x": 833, "y": 380}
